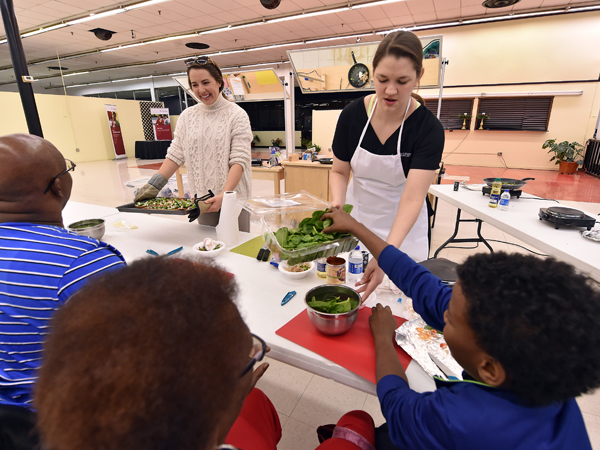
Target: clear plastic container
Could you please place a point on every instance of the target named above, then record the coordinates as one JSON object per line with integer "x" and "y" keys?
{"x": 288, "y": 210}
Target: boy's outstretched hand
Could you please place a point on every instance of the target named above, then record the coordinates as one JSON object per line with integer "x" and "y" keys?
{"x": 382, "y": 323}
{"x": 342, "y": 221}
{"x": 383, "y": 326}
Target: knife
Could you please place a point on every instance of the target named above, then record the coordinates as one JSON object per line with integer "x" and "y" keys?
{"x": 445, "y": 370}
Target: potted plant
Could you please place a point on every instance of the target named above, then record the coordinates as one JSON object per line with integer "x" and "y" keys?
{"x": 482, "y": 116}
{"x": 566, "y": 154}
{"x": 255, "y": 139}
{"x": 464, "y": 117}
{"x": 276, "y": 142}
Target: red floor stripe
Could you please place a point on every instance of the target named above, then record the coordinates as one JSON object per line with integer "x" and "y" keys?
{"x": 154, "y": 166}
{"x": 579, "y": 187}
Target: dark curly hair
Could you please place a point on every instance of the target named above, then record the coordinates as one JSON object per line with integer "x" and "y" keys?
{"x": 540, "y": 319}
{"x": 146, "y": 357}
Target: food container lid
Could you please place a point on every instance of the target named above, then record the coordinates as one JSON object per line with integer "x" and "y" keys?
{"x": 283, "y": 203}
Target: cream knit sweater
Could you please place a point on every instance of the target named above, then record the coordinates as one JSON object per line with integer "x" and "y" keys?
{"x": 209, "y": 139}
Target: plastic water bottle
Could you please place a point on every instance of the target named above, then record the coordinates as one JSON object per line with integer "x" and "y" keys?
{"x": 273, "y": 160}
{"x": 495, "y": 194}
{"x": 355, "y": 267}
{"x": 504, "y": 200}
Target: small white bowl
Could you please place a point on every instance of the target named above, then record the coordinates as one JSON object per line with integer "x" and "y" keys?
{"x": 207, "y": 253}
{"x": 283, "y": 266}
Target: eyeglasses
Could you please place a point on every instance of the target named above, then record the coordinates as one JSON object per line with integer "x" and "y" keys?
{"x": 199, "y": 61}
{"x": 70, "y": 166}
{"x": 257, "y": 353}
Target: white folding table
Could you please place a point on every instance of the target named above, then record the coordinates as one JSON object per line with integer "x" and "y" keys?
{"x": 522, "y": 221}
{"x": 262, "y": 287}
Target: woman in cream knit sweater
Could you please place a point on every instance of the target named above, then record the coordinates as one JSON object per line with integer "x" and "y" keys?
{"x": 213, "y": 140}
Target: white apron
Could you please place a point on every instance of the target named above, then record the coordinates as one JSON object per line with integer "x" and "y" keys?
{"x": 375, "y": 190}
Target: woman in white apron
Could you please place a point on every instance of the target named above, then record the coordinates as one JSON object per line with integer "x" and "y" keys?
{"x": 385, "y": 200}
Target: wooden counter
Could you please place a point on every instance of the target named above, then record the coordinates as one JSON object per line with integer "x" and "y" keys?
{"x": 275, "y": 174}
{"x": 310, "y": 176}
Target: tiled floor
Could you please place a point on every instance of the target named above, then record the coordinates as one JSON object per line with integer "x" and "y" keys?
{"x": 304, "y": 400}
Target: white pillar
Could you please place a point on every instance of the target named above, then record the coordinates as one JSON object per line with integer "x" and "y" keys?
{"x": 289, "y": 112}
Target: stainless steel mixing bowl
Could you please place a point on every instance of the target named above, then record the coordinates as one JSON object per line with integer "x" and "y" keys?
{"x": 93, "y": 228}
{"x": 332, "y": 324}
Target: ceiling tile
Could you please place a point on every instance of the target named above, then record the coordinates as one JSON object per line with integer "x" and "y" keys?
{"x": 448, "y": 13}
{"x": 307, "y": 4}
{"x": 198, "y": 24}
{"x": 464, "y": 3}
{"x": 470, "y": 11}
{"x": 396, "y": 9}
{"x": 552, "y": 3}
{"x": 420, "y": 6}
{"x": 373, "y": 13}
{"x": 525, "y": 4}
{"x": 447, "y": 4}
{"x": 402, "y": 21}
{"x": 352, "y": 16}
{"x": 380, "y": 24}
{"x": 427, "y": 17}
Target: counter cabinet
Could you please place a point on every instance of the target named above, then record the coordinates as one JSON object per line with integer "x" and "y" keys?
{"x": 312, "y": 177}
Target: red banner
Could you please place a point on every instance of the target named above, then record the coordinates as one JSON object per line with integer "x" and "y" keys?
{"x": 115, "y": 131}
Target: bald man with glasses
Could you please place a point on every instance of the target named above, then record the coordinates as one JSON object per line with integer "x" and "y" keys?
{"x": 41, "y": 263}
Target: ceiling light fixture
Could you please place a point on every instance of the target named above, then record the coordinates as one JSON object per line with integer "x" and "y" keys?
{"x": 96, "y": 16}
{"x": 306, "y": 15}
{"x": 92, "y": 16}
{"x": 143, "y": 4}
{"x": 75, "y": 73}
{"x": 43, "y": 30}
{"x": 122, "y": 47}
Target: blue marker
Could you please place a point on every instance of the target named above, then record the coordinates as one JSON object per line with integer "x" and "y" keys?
{"x": 288, "y": 297}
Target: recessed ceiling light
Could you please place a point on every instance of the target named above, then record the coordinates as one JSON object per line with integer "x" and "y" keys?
{"x": 197, "y": 45}
{"x": 57, "y": 68}
{"x": 499, "y": 3}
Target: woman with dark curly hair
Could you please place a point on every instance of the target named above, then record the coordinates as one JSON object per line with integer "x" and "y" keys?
{"x": 154, "y": 356}
{"x": 527, "y": 332}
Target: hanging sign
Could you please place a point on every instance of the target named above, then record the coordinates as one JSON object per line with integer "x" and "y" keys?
{"x": 115, "y": 131}
{"x": 161, "y": 123}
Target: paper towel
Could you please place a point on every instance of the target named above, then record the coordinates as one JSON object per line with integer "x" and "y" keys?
{"x": 228, "y": 229}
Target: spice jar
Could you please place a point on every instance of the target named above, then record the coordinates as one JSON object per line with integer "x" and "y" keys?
{"x": 336, "y": 270}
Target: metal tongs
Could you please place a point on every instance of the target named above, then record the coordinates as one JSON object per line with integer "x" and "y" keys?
{"x": 195, "y": 213}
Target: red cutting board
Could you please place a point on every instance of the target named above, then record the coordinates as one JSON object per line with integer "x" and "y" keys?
{"x": 353, "y": 350}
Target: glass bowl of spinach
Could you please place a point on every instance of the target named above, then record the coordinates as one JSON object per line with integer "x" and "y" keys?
{"x": 332, "y": 309}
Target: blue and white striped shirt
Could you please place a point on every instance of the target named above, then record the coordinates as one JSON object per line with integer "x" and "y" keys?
{"x": 41, "y": 266}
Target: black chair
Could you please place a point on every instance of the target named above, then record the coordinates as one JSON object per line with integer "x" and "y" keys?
{"x": 17, "y": 428}
{"x": 442, "y": 268}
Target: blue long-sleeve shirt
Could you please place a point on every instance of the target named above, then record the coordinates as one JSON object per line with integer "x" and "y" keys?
{"x": 464, "y": 415}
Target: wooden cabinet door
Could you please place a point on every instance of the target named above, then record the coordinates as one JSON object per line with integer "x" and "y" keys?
{"x": 311, "y": 179}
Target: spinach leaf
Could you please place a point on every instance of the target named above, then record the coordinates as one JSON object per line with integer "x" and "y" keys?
{"x": 282, "y": 235}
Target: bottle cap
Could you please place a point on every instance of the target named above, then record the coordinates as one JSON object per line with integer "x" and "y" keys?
{"x": 498, "y": 179}
{"x": 357, "y": 247}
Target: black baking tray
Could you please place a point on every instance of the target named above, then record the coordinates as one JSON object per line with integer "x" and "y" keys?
{"x": 325, "y": 160}
{"x": 130, "y": 207}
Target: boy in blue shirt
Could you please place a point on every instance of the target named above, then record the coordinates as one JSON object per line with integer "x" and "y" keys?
{"x": 524, "y": 329}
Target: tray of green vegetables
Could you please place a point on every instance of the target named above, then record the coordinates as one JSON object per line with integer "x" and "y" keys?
{"x": 306, "y": 241}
